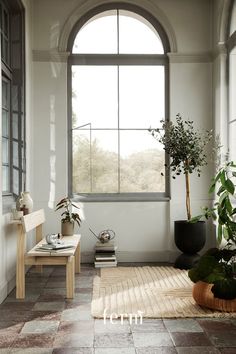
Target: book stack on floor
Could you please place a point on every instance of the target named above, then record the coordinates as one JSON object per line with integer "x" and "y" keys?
{"x": 105, "y": 255}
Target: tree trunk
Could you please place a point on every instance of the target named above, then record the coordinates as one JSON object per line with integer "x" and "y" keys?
{"x": 187, "y": 183}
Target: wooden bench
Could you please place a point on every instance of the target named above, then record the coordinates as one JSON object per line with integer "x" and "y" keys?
{"x": 70, "y": 258}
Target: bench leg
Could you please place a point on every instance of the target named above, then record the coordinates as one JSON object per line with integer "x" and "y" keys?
{"x": 77, "y": 259}
{"x": 70, "y": 277}
{"x": 20, "y": 264}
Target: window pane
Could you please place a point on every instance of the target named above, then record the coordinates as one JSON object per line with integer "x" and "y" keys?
{"x": 232, "y": 85}
{"x": 5, "y": 150}
{"x": 16, "y": 181}
{"x": 98, "y": 35}
{"x": 5, "y": 123}
{"x": 14, "y": 97}
{"x": 232, "y": 141}
{"x": 5, "y": 18}
{"x": 137, "y": 35}
{"x": 15, "y": 126}
{"x": 95, "y": 166}
{"x": 5, "y": 94}
{"x": 142, "y": 160}
{"x": 15, "y": 154}
{"x": 142, "y": 92}
{"x": 5, "y": 179}
{"x": 94, "y": 96}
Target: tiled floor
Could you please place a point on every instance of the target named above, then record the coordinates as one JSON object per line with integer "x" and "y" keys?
{"x": 45, "y": 322}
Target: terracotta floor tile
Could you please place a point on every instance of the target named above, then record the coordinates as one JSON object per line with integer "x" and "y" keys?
{"x": 7, "y": 340}
{"x": 34, "y": 341}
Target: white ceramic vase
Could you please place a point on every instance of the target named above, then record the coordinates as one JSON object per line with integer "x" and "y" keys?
{"x": 26, "y": 201}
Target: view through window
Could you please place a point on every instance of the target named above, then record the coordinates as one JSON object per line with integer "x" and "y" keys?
{"x": 118, "y": 76}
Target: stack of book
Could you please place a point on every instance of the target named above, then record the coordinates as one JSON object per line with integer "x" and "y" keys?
{"x": 105, "y": 255}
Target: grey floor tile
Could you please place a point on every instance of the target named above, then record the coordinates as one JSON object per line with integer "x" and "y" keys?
{"x": 112, "y": 340}
{"x": 149, "y": 325}
{"x": 183, "y": 325}
{"x": 156, "y": 350}
{"x": 161, "y": 339}
{"x": 224, "y": 339}
{"x": 82, "y": 312}
{"x": 197, "y": 350}
{"x": 74, "y": 340}
{"x": 49, "y": 306}
{"x": 108, "y": 327}
{"x": 40, "y": 327}
{"x": 114, "y": 351}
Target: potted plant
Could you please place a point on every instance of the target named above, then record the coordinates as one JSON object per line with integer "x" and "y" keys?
{"x": 69, "y": 218}
{"x": 186, "y": 149}
{"x": 214, "y": 275}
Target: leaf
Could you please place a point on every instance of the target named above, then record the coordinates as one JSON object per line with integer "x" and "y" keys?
{"x": 225, "y": 289}
{"x": 219, "y": 234}
{"x": 229, "y": 186}
{"x": 59, "y": 207}
{"x": 225, "y": 233}
{"x": 220, "y": 190}
{"x": 222, "y": 177}
{"x": 195, "y": 219}
{"x": 212, "y": 188}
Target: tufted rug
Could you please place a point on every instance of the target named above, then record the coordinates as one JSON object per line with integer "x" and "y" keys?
{"x": 151, "y": 292}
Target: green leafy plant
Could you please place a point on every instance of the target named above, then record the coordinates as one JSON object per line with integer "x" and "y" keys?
{"x": 216, "y": 266}
{"x": 68, "y": 216}
{"x": 186, "y": 148}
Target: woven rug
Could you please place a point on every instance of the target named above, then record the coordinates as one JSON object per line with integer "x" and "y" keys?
{"x": 153, "y": 292}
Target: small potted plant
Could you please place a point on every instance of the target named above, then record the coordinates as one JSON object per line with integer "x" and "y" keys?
{"x": 186, "y": 149}
{"x": 215, "y": 275}
{"x": 69, "y": 217}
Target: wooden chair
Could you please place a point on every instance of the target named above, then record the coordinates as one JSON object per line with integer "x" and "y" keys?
{"x": 70, "y": 258}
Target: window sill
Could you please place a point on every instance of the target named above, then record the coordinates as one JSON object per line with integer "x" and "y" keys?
{"x": 114, "y": 198}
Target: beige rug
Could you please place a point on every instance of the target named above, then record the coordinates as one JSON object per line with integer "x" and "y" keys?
{"x": 154, "y": 292}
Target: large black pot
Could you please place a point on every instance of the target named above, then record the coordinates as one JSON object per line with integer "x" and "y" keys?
{"x": 190, "y": 238}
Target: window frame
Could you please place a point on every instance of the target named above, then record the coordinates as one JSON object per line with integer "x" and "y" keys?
{"x": 230, "y": 46}
{"x": 16, "y": 77}
{"x": 116, "y": 59}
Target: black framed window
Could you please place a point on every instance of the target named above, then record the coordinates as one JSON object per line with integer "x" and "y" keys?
{"x": 118, "y": 88}
{"x": 13, "y": 114}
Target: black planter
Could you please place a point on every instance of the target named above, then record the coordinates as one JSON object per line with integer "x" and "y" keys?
{"x": 190, "y": 239}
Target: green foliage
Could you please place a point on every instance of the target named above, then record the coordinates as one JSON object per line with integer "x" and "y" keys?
{"x": 68, "y": 216}
{"x": 223, "y": 211}
{"x": 184, "y": 145}
{"x": 186, "y": 149}
{"x": 139, "y": 172}
{"x": 216, "y": 266}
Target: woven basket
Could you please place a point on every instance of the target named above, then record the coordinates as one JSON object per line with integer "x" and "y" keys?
{"x": 203, "y": 296}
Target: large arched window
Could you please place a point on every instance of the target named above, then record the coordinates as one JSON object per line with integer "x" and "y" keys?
{"x": 118, "y": 79}
{"x": 232, "y": 84}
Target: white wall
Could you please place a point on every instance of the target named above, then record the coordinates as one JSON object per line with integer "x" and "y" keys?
{"x": 144, "y": 230}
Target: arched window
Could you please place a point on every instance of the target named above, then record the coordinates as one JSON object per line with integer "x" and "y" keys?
{"x": 232, "y": 84}
{"x": 118, "y": 75}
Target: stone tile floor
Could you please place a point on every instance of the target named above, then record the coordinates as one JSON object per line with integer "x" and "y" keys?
{"x": 45, "y": 322}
